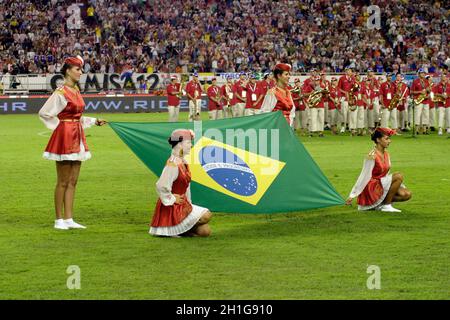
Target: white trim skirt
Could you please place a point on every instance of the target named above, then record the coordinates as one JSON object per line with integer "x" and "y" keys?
{"x": 83, "y": 155}
{"x": 386, "y": 182}
{"x": 184, "y": 226}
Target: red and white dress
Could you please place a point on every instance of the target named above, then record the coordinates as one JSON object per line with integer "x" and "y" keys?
{"x": 374, "y": 181}
{"x": 62, "y": 113}
{"x": 170, "y": 218}
{"x": 280, "y": 99}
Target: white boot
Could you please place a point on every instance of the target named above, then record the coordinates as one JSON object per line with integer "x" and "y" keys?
{"x": 389, "y": 208}
{"x": 440, "y": 132}
{"x": 59, "y": 224}
{"x": 73, "y": 225}
{"x": 342, "y": 129}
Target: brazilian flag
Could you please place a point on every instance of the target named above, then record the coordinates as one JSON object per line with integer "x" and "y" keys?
{"x": 251, "y": 164}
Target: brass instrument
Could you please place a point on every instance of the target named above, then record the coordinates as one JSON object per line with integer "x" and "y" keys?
{"x": 181, "y": 94}
{"x": 423, "y": 96}
{"x": 396, "y": 99}
{"x": 315, "y": 97}
{"x": 439, "y": 98}
{"x": 352, "y": 97}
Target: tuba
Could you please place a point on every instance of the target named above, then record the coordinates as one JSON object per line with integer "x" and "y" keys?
{"x": 352, "y": 97}
{"x": 315, "y": 97}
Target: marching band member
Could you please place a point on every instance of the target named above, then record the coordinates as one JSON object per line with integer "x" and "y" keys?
{"x": 375, "y": 188}
{"x": 324, "y": 83}
{"x": 226, "y": 92}
{"x": 214, "y": 101}
{"x": 373, "y": 110}
{"x": 374, "y": 98}
{"x": 334, "y": 105}
{"x": 279, "y": 98}
{"x": 432, "y": 103}
{"x": 352, "y": 104}
{"x": 387, "y": 91}
{"x": 254, "y": 97}
{"x": 362, "y": 103}
{"x": 173, "y": 98}
{"x": 420, "y": 90}
{"x": 239, "y": 96}
{"x": 175, "y": 214}
{"x": 345, "y": 84}
{"x": 402, "y": 108}
{"x": 63, "y": 113}
{"x": 296, "y": 97}
{"x": 194, "y": 94}
{"x": 317, "y": 111}
{"x": 307, "y": 90}
{"x": 443, "y": 94}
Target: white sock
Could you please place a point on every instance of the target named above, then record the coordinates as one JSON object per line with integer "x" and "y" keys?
{"x": 68, "y": 220}
{"x": 59, "y": 221}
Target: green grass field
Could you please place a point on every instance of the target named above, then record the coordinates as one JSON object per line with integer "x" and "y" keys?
{"x": 321, "y": 254}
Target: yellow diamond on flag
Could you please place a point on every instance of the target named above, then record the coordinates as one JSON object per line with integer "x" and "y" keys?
{"x": 236, "y": 172}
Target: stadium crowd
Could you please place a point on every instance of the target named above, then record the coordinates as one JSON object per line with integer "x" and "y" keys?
{"x": 222, "y": 36}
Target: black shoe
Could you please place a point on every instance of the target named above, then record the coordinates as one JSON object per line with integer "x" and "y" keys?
{"x": 433, "y": 129}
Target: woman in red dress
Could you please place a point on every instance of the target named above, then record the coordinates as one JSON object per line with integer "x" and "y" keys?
{"x": 175, "y": 215}
{"x": 62, "y": 113}
{"x": 279, "y": 98}
{"x": 375, "y": 188}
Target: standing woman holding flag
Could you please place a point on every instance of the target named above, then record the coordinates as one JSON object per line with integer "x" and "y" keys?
{"x": 280, "y": 98}
{"x": 375, "y": 188}
{"x": 62, "y": 113}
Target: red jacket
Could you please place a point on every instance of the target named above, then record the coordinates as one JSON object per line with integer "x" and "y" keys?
{"x": 253, "y": 94}
{"x": 213, "y": 92}
{"x": 173, "y": 100}
{"x": 192, "y": 87}
{"x": 345, "y": 84}
{"x": 419, "y": 85}
{"x": 237, "y": 90}
{"x": 387, "y": 91}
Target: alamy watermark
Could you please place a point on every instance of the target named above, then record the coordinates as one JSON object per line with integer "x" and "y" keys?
{"x": 374, "y": 280}
{"x": 374, "y": 19}
{"x": 74, "y": 280}
{"x": 263, "y": 145}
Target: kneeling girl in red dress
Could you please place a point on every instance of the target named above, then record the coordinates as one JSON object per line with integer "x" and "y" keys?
{"x": 375, "y": 188}
{"x": 62, "y": 113}
{"x": 175, "y": 215}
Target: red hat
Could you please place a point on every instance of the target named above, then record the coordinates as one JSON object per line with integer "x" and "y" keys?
{"x": 75, "y": 61}
{"x": 386, "y": 131}
{"x": 283, "y": 67}
{"x": 173, "y": 77}
{"x": 185, "y": 134}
